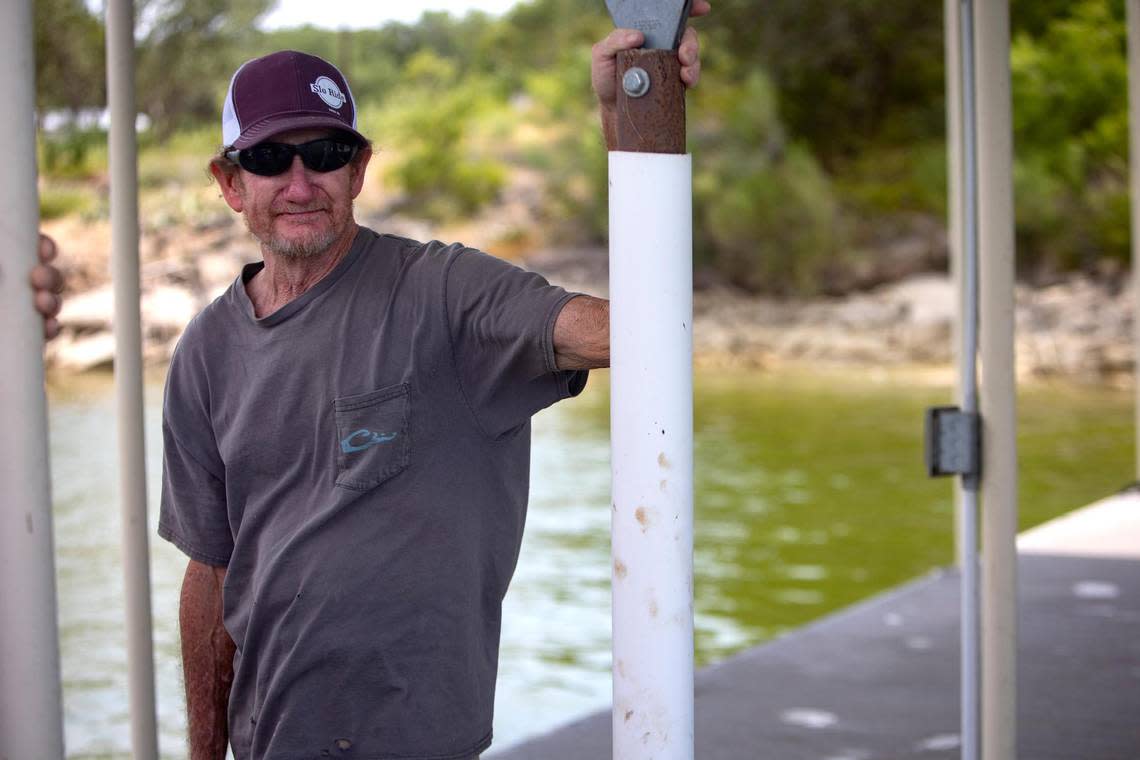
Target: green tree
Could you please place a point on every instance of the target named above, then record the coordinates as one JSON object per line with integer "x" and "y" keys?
{"x": 69, "y": 48}
{"x": 848, "y": 74}
{"x": 1070, "y": 112}
{"x": 440, "y": 171}
{"x": 188, "y": 50}
{"x": 767, "y": 214}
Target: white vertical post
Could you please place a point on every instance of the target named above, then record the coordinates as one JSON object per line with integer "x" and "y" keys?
{"x": 965, "y": 222}
{"x": 1133, "y": 9}
{"x": 952, "y": 32}
{"x": 128, "y": 374}
{"x": 31, "y": 713}
{"x": 651, "y": 424}
{"x": 998, "y": 391}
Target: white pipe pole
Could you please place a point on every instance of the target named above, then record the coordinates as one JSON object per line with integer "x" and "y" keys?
{"x": 651, "y": 426}
{"x": 998, "y": 393}
{"x": 967, "y": 488}
{"x": 1133, "y": 8}
{"x": 952, "y": 31}
{"x": 123, "y": 155}
{"x": 31, "y": 712}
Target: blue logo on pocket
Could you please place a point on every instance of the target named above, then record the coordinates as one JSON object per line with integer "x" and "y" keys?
{"x": 363, "y": 439}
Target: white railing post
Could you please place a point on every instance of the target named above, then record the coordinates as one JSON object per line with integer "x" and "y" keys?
{"x": 963, "y": 144}
{"x": 128, "y": 375}
{"x": 31, "y": 712}
{"x": 651, "y": 424}
{"x": 998, "y": 390}
{"x": 1133, "y": 9}
{"x": 952, "y": 30}
{"x": 651, "y": 412}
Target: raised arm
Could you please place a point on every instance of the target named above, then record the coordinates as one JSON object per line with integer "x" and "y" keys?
{"x": 207, "y": 660}
{"x": 582, "y": 334}
{"x": 582, "y": 330}
{"x": 603, "y": 67}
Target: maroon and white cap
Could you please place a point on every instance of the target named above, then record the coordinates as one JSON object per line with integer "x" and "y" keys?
{"x": 284, "y": 91}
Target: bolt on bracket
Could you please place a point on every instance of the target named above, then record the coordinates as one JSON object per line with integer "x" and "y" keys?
{"x": 635, "y": 82}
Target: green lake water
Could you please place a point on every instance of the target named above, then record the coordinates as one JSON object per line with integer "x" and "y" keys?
{"x": 810, "y": 495}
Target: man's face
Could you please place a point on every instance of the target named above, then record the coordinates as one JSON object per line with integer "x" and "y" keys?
{"x": 299, "y": 213}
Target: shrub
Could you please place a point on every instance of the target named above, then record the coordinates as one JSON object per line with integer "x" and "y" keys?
{"x": 765, "y": 212}
{"x": 73, "y": 154}
{"x": 57, "y": 202}
{"x": 438, "y": 166}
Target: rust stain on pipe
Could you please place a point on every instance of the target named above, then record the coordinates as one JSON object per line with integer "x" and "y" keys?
{"x": 654, "y": 122}
{"x": 642, "y": 515}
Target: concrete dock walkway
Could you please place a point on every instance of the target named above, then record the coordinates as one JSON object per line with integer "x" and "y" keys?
{"x": 879, "y": 680}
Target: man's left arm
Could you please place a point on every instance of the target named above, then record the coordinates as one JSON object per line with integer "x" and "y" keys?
{"x": 582, "y": 334}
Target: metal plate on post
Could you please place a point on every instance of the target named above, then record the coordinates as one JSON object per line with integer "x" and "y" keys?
{"x": 661, "y": 21}
{"x": 952, "y": 442}
{"x": 653, "y": 122}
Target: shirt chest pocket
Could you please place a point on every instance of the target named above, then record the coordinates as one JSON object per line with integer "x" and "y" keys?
{"x": 373, "y": 440}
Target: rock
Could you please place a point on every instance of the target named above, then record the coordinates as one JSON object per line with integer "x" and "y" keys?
{"x": 166, "y": 310}
{"x": 81, "y": 353}
{"x": 928, "y": 300}
{"x": 1077, "y": 326}
{"x": 88, "y": 312}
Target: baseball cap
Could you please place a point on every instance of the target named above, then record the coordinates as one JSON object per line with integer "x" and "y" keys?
{"x": 283, "y": 91}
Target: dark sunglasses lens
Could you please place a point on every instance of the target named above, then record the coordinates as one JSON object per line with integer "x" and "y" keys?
{"x": 270, "y": 159}
{"x": 326, "y": 155}
{"x": 266, "y": 159}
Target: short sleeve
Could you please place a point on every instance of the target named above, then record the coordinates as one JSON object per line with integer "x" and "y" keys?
{"x": 501, "y": 322}
{"x": 193, "y": 514}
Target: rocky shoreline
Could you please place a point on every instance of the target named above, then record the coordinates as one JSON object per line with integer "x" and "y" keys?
{"x": 1078, "y": 328}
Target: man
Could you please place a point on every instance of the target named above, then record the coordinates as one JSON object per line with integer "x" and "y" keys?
{"x": 347, "y": 439}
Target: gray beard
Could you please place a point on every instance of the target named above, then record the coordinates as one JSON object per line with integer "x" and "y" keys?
{"x": 301, "y": 249}
{"x": 298, "y": 250}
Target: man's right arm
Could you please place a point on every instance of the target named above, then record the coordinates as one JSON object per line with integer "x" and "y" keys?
{"x": 207, "y": 660}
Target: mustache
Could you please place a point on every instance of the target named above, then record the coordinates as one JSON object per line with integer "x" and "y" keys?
{"x": 290, "y": 208}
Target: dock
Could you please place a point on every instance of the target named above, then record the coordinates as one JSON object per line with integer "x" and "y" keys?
{"x": 879, "y": 680}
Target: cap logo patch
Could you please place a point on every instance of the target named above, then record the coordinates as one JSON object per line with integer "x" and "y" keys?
{"x": 328, "y": 92}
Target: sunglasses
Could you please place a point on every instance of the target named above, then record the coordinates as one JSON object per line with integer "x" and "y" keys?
{"x": 268, "y": 159}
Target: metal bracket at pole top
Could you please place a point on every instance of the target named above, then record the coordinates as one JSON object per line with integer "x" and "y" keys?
{"x": 650, "y": 106}
{"x": 953, "y": 442}
{"x": 661, "y": 21}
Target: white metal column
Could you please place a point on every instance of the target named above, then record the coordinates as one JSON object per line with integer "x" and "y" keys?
{"x": 651, "y": 425}
{"x": 1133, "y": 8}
{"x": 998, "y": 389}
{"x": 964, "y": 214}
{"x": 31, "y": 713}
{"x": 128, "y": 375}
{"x": 952, "y": 31}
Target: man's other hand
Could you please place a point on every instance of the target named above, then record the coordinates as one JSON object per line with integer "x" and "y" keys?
{"x": 47, "y": 285}
{"x": 603, "y": 65}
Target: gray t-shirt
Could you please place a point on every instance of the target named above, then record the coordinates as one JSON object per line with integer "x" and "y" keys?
{"x": 359, "y": 461}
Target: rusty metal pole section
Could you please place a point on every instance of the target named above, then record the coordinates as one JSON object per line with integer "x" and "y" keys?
{"x": 31, "y": 713}
{"x": 651, "y": 414}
